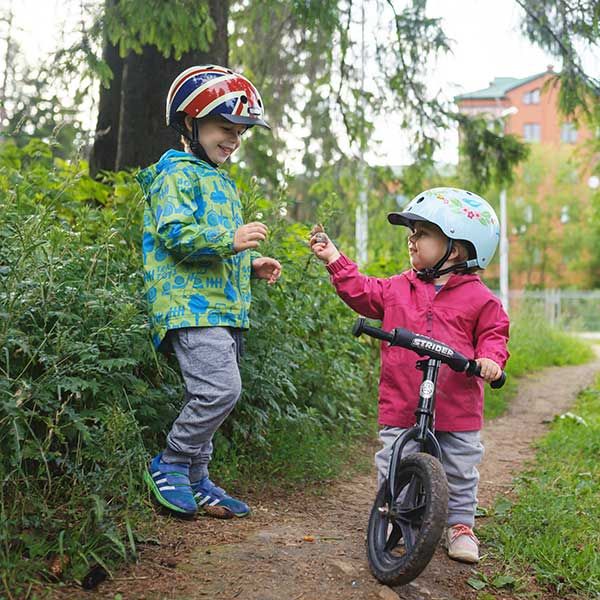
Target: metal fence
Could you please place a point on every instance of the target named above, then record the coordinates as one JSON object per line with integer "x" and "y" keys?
{"x": 573, "y": 310}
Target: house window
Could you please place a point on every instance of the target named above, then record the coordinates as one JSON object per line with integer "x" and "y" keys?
{"x": 568, "y": 133}
{"x": 532, "y": 132}
{"x": 532, "y": 97}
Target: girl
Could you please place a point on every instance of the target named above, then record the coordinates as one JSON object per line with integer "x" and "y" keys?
{"x": 453, "y": 234}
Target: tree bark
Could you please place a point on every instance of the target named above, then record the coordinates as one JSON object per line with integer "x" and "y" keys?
{"x": 143, "y": 134}
{"x": 103, "y": 156}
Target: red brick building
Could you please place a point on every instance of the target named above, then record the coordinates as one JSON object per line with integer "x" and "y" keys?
{"x": 543, "y": 217}
{"x": 529, "y": 107}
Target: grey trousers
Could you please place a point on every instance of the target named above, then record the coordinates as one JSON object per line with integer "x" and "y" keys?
{"x": 462, "y": 451}
{"x": 209, "y": 361}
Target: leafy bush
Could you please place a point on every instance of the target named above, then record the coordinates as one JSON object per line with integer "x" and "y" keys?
{"x": 84, "y": 399}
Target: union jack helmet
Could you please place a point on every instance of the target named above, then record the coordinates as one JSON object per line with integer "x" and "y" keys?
{"x": 210, "y": 90}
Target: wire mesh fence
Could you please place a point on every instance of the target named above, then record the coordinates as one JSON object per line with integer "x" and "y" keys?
{"x": 570, "y": 309}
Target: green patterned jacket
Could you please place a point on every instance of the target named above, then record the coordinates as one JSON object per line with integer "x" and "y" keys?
{"x": 193, "y": 277}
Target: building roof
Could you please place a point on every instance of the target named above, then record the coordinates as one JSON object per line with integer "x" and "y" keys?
{"x": 498, "y": 88}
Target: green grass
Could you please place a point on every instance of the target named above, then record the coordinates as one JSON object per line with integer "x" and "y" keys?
{"x": 552, "y": 531}
{"x": 533, "y": 345}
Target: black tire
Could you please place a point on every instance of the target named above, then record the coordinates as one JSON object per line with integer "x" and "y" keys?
{"x": 401, "y": 539}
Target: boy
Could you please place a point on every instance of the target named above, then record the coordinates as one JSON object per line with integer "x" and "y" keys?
{"x": 198, "y": 259}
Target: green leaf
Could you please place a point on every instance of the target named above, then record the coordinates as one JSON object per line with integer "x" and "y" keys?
{"x": 476, "y": 584}
{"x": 503, "y": 581}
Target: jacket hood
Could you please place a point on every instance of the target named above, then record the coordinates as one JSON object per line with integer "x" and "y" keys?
{"x": 166, "y": 162}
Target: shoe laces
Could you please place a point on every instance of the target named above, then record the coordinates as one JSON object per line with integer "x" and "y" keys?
{"x": 457, "y": 530}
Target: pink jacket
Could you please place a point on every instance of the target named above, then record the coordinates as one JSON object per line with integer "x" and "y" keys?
{"x": 464, "y": 314}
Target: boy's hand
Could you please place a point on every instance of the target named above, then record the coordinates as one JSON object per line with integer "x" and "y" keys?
{"x": 490, "y": 371}
{"x": 249, "y": 235}
{"x": 267, "y": 268}
{"x": 322, "y": 247}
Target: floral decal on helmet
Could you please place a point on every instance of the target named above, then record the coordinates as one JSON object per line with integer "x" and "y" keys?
{"x": 470, "y": 210}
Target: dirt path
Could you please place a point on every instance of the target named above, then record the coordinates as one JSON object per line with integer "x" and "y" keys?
{"x": 311, "y": 547}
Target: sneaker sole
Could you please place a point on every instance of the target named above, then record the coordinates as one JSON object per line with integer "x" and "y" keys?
{"x": 220, "y": 512}
{"x": 161, "y": 500}
{"x": 463, "y": 558}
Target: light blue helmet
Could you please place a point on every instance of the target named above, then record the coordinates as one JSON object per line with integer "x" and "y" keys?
{"x": 461, "y": 215}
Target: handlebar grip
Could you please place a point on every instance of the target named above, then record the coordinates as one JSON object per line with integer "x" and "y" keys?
{"x": 496, "y": 385}
{"x": 360, "y": 327}
{"x": 475, "y": 369}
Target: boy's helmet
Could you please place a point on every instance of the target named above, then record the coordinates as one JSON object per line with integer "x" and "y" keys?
{"x": 461, "y": 215}
{"x": 210, "y": 90}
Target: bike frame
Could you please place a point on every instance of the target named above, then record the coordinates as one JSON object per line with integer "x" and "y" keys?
{"x": 423, "y": 430}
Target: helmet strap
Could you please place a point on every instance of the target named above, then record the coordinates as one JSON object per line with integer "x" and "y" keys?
{"x": 194, "y": 140}
{"x": 431, "y": 273}
{"x": 196, "y": 147}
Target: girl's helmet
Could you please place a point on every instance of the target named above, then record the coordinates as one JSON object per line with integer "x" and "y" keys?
{"x": 461, "y": 215}
{"x": 210, "y": 90}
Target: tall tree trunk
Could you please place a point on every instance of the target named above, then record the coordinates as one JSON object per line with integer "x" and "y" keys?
{"x": 143, "y": 135}
{"x": 103, "y": 156}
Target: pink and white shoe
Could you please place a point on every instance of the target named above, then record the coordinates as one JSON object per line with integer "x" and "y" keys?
{"x": 462, "y": 544}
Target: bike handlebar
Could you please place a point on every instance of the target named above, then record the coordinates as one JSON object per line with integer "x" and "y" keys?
{"x": 425, "y": 346}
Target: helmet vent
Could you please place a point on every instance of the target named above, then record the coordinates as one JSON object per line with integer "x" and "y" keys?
{"x": 244, "y": 99}
{"x": 420, "y": 199}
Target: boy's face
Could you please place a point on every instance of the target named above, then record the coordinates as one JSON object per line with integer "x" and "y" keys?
{"x": 426, "y": 245}
{"x": 219, "y": 138}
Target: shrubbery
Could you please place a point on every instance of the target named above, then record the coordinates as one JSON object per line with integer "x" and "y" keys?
{"x": 84, "y": 399}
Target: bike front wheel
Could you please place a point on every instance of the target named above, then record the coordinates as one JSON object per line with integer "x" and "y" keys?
{"x": 406, "y": 524}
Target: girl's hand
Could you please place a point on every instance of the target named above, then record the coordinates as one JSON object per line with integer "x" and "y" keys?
{"x": 323, "y": 248}
{"x": 267, "y": 268}
{"x": 249, "y": 236}
{"x": 490, "y": 371}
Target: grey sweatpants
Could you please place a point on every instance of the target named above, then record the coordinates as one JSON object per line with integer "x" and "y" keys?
{"x": 209, "y": 362}
{"x": 462, "y": 451}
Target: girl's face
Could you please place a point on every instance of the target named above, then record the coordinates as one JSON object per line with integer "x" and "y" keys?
{"x": 220, "y": 138}
{"x": 427, "y": 245}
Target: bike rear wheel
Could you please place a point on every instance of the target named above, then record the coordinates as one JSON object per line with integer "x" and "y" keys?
{"x": 403, "y": 534}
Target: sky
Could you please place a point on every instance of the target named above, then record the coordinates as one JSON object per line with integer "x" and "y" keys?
{"x": 486, "y": 44}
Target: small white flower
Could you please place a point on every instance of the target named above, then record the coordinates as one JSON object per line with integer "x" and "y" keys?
{"x": 254, "y": 179}
{"x": 259, "y": 215}
{"x": 283, "y": 211}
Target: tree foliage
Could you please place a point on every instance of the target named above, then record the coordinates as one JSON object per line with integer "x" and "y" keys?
{"x": 563, "y": 28}
{"x": 173, "y": 28}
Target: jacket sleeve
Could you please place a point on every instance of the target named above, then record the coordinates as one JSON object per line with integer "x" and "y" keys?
{"x": 180, "y": 214}
{"x": 253, "y": 256}
{"x": 361, "y": 293}
{"x": 491, "y": 332}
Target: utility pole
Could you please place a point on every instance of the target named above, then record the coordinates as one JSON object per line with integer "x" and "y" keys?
{"x": 503, "y": 253}
{"x": 504, "y": 287}
{"x": 362, "y": 207}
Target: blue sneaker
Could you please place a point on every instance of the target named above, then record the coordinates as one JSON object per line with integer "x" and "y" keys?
{"x": 170, "y": 484}
{"x": 215, "y": 502}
